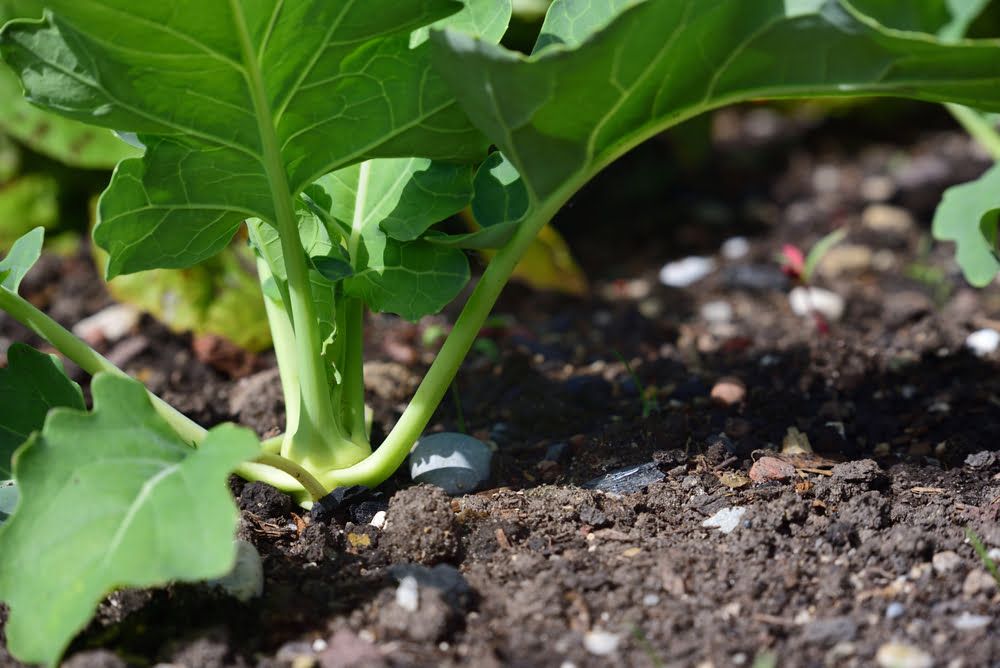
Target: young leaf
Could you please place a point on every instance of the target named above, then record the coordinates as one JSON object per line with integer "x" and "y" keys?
{"x": 570, "y": 109}
{"x": 232, "y": 100}
{"x": 22, "y": 256}
{"x": 32, "y": 383}
{"x": 111, "y": 498}
{"x": 968, "y": 215}
{"x": 394, "y": 270}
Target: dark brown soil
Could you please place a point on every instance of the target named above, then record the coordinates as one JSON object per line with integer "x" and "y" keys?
{"x": 838, "y": 557}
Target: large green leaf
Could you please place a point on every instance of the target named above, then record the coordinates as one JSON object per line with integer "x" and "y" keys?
{"x": 112, "y": 498}
{"x": 968, "y": 215}
{"x": 565, "y": 112}
{"x": 32, "y": 383}
{"x": 237, "y": 103}
{"x": 387, "y": 205}
{"x": 70, "y": 142}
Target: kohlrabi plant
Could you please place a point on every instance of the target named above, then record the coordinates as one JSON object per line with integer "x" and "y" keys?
{"x": 339, "y": 132}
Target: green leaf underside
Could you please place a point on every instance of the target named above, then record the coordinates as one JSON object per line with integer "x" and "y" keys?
{"x": 30, "y": 385}
{"x": 336, "y": 75}
{"x": 566, "y": 112}
{"x": 22, "y": 256}
{"x": 968, "y": 215}
{"x": 70, "y": 142}
{"x": 111, "y": 498}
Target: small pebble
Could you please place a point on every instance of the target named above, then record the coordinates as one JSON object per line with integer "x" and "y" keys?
{"x": 690, "y": 270}
{"x": 807, "y": 301}
{"x": 456, "y": 463}
{"x": 969, "y": 622}
{"x": 982, "y": 342}
{"x": 898, "y": 655}
{"x": 650, "y": 600}
{"x": 978, "y": 581}
{"x": 877, "y": 188}
{"x": 108, "y": 325}
{"x": 846, "y": 259}
{"x": 601, "y": 643}
{"x": 981, "y": 460}
{"x": 771, "y": 468}
{"x": 729, "y": 391}
{"x": 378, "y": 519}
{"x": 945, "y": 562}
{"x": 735, "y": 247}
{"x": 408, "y": 594}
{"x": 725, "y": 520}
{"x": 628, "y": 480}
{"x": 894, "y": 610}
{"x": 887, "y": 219}
{"x": 716, "y": 312}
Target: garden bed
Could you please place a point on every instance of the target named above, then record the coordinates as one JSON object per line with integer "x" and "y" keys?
{"x": 836, "y": 555}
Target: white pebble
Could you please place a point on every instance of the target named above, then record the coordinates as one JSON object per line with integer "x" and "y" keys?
{"x": 717, "y": 311}
{"x": 651, "y": 600}
{"x": 807, "y": 301}
{"x": 725, "y": 520}
{"x": 894, "y": 610}
{"x": 735, "y": 248}
{"x": 408, "y": 594}
{"x": 994, "y": 554}
{"x": 969, "y": 622}
{"x": 690, "y": 270}
{"x": 898, "y": 655}
{"x": 600, "y": 642}
{"x": 378, "y": 519}
{"x": 109, "y": 324}
{"x": 983, "y": 341}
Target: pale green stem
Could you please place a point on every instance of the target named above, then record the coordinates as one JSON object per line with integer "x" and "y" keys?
{"x": 315, "y": 442}
{"x": 979, "y": 127}
{"x": 353, "y": 383}
{"x": 93, "y": 363}
{"x": 283, "y": 337}
{"x": 304, "y": 477}
{"x": 89, "y": 359}
{"x": 393, "y": 451}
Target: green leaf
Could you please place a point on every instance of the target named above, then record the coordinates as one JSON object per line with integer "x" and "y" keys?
{"x": 111, "y": 498}
{"x": 564, "y": 113}
{"x": 819, "y": 251}
{"x": 968, "y": 215}
{"x": 948, "y": 19}
{"x": 26, "y": 202}
{"x": 232, "y": 100}
{"x": 22, "y": 256}
{"x": 332, "y": 269}
{"x": 70, "y": 142}
{"x": 220, "y": 296}
{"x": 499, "y": 203}
{"x": 409, "y": 277}
{"x": 30, "y": 385}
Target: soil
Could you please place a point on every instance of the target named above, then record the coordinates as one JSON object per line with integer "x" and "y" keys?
{"x": 848, "y": 556}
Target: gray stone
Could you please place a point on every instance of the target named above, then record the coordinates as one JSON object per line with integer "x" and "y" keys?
{"x": 456, "y": 463}
{"x": 627, "y": 480}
